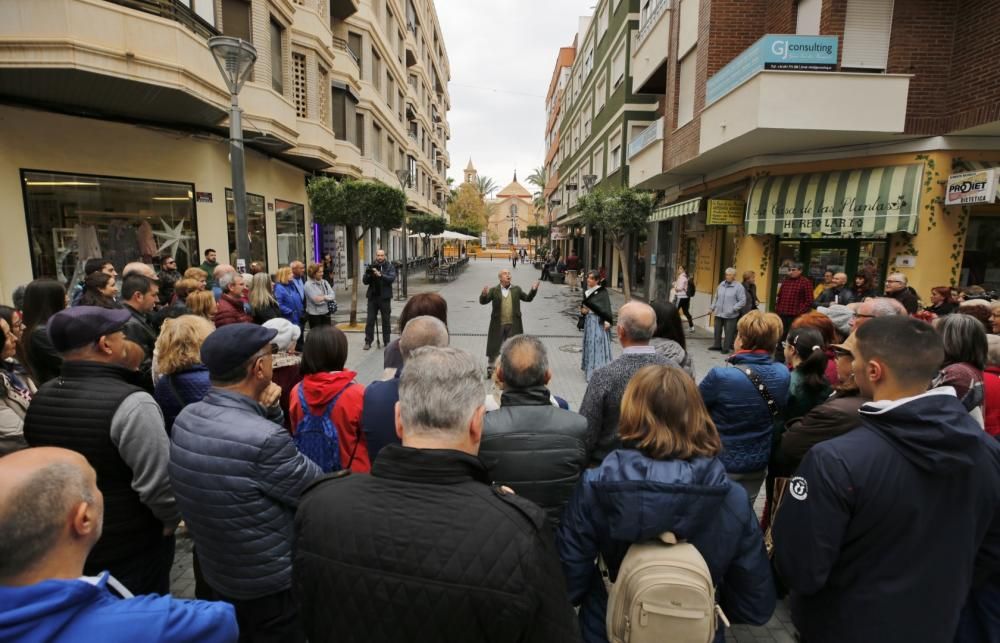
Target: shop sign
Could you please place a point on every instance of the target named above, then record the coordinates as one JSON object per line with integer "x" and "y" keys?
{"x": 559, "y": 233}
{"x": 972, "y": 187}
{"x": 203, "y": 197}
{"x": 778, "y": 52}
{"x": 725, "y": 212}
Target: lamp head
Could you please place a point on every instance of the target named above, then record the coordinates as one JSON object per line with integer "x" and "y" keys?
{"x": 404, "y": 177}
{"x": 235, "y": 58}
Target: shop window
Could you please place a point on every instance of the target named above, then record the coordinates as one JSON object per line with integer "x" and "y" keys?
{"x": 277, "y": 59}
{"x": 75, "y": 217}
{"x": 256, "y": 226}
{"x": 981, "y": 259}
{"x": 236, "y": 19}
{"x": 290, "y": 226}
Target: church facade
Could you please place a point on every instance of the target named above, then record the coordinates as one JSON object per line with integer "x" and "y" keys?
{"x": 510, "y": 212}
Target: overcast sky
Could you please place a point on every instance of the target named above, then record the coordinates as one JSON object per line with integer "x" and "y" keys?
{"x": 502, "y": 53}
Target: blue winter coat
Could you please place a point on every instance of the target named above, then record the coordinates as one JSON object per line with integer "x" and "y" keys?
{"x": 190, "y": 385}
{"x": 740, "y": 413}
{"x": 289, "y": 301}
{"x": 885, "y": 529}
{"x": 237, "y": 477}
{"x": 378, "y": 415}
{"x": 78, "y": 611}
{"x": 630, "y": 498}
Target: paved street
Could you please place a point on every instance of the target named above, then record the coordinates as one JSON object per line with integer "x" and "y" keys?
{"x": 552, "y": 317}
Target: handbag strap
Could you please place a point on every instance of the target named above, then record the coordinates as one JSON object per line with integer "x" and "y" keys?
{"x": 761, "y": 387}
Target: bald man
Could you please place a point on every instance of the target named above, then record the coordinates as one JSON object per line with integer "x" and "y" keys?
{"x": 505, "y": 320}
{"x": 602, "y": 401}
{"x": 51, "y": 514}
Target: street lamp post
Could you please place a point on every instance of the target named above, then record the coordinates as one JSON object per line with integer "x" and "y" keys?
{"x": 235, "y": 58}
{"x": 588, "y": 181}
{"x": 513, "y": 225}
{"x": 404, "y": 182}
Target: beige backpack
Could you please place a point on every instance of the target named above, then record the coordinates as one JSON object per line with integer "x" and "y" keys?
{"x": 664, "y": 592}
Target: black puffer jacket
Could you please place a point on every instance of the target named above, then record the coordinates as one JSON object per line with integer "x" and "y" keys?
{"x": 423, "y": 549}
{"x": 535, "y": 448}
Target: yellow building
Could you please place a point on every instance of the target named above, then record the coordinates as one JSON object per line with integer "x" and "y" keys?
{"x": 113, "y": 131}
{"x": 510, "y": 213}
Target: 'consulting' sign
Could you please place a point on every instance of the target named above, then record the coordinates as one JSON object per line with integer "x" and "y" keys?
{"x": 791, "y": 53}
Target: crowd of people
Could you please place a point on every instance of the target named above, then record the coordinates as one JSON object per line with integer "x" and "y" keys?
{"x": 416, "y": 508}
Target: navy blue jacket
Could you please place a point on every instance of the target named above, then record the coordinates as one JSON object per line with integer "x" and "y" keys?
{"x": 630, "y": 498}
{"x": 885, "y": 529}
{"x": 740, "y": 413}
{"x": 189, "y": 386}
{"x": 378, "y": 414}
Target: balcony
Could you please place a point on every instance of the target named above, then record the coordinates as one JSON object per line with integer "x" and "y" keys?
{"x": 649, "y": 54}
{"x": 786, "y": 111}
{"x": 344, "y": 9}
{"x": 645, "y": 155}
{"x": 143, "y": 60}
{"x": 314, "y": 149}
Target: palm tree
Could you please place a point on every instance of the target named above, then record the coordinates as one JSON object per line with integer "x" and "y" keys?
{"x": 486, "y": 186}
{"x": 539, "y": 177}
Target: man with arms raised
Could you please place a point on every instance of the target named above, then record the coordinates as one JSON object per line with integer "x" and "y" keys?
{"x": 505, "y": 319}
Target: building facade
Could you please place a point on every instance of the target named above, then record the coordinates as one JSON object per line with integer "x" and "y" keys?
{"x": 599, "y": 113}
{"x": 850, "y": 135}
{"x": 553, "y": 121}
{"x": 114, "y": 125}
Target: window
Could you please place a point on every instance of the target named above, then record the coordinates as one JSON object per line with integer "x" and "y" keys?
{"x": 376, "y": 142}
{"x": 290, "y": 225}
{"x": 301, "y": 93}
{"x": 688, "y": 29}
{"x": 807, "y": 14}
{"x": 685, "y": 92}
{"x": 236, "y": 19}
{"x": 618, "y": 66}
{"x": 63, "y": 209}
{"x": 359, "y": 132}
{"x": 600, "y": 93}
{"x": 277, "y": 59}
{"x": 204, "y": 8}
{"x": 597, "y": 163}
{"x": 411, "y": 168}
{"x": 376, "y": 71}
{"x": 602, "y": 21}
{"x": 354, "y": 46}
{"x": 256, "y": 227}
{"x": 615, "y": 151}
{"x": 344, "y": 113}
{"x": 866, "y": 34}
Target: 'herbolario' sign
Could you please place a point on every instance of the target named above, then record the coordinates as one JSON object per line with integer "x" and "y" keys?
{"x": 972, "y": 187}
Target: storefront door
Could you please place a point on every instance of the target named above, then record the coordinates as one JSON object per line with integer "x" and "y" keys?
{"x": 840, "y": 255}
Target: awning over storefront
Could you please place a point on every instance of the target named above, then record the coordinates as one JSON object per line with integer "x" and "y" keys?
{"x": 870, "y": 202}
{"x": 675, "y": 210}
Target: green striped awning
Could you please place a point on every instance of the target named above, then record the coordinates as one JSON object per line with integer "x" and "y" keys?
{"x": 675, "y": 210}
{"x": 870, "y": 202}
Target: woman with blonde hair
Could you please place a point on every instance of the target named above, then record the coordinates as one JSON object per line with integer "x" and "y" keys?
{"x": 745, "y": 402}
{"x": 202, "y": 304}
{"x": 200, "y": 277}
{"x": 183, "y": 378}
{"x": 321, "y": 301}
{"x": 289, "y": 302}
{"x": 262, "y": 301}
{"x": 666, "y": 477}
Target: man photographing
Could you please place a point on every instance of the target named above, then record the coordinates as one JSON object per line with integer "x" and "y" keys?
{"x": 378, "y": 277}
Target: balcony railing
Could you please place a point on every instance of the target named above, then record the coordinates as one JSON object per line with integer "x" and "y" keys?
{"x": 341, "y": 44}
{"x": 646, "y": 137}
{"x": 172, "y": 10}
{"x": 651, "y": 19}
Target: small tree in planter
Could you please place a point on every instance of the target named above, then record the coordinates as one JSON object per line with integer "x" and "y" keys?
{"x": 426, "y": 225}
{"x": 619, "y": 213}
{"x": 356, "y": 204}
{"x": 538, "y": 233}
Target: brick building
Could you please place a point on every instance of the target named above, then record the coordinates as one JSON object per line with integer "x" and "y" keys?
{"x": 823, "y": 131}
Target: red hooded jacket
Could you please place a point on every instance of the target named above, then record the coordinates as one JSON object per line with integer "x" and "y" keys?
{"x": 346, "y": 414}
{"x": 991, "y": 387}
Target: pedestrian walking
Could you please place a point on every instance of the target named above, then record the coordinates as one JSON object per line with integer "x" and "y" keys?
{"x": 729, "y": 301}
{"x": 683, "y": 291}
{"x": 597, "y": 317}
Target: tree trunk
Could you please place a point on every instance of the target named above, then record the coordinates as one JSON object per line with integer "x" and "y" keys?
{"x": 357, "y": 274}
{"x": 620, "y": 247}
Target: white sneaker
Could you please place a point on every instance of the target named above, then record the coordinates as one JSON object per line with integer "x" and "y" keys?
{"x": 691, "y": 330}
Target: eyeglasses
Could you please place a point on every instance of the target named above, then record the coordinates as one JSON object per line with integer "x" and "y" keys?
{"x": 893, "y": 281}
{"x": 842, "y": 352}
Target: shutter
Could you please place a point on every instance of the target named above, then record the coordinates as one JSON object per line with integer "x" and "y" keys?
{"x": 807, "y": 17}
{"x": 866, "y": 34}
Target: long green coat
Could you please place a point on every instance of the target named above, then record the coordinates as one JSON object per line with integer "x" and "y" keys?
{"x": 496, "y": 333}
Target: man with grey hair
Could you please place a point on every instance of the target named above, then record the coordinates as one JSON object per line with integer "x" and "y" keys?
{"x": 465, "y": 561}
{"x": 530, "y": 445}
{"x": 51, "y": 516}
{"x": 875, "y": 307}
{"x": 896, "y": 287}
{"x": 377, "y": 414}
{"x": 231, "y": 309}
{"x": 730, "y": 298}
{"x": 602, "y": 401}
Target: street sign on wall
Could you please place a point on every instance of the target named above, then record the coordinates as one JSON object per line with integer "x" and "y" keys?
{"x": 972, "y": 187}
{"x": 725, "y": 212}
{"x": 777, "y": 52}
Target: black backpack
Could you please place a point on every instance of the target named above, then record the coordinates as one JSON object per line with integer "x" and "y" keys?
{"x": 691, "y": 290}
